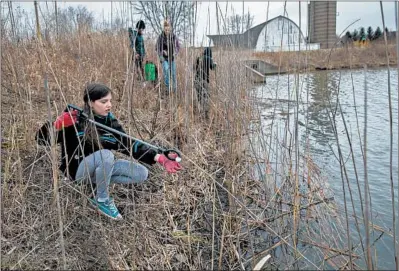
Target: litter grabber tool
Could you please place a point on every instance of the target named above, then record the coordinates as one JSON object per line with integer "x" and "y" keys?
{"x": 176, "y": 155}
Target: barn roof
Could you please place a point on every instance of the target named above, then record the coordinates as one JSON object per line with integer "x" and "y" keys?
{"x": 249, "y": 38}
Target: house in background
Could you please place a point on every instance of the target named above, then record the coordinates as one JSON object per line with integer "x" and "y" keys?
{"x": 277, "y": 34}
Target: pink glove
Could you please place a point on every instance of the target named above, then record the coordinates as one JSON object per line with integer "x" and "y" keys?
{"x": 170, "y": 165}
{"x": 65, "y": 120}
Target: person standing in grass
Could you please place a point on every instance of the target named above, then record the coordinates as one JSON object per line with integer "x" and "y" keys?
{"x": 137, "y": 44}
{"x": 86, "y": 154}
{"x": 167, "y": 48}
{"x": 203, "y": 64}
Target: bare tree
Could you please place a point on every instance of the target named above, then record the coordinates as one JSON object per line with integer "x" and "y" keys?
{"x": 71, "y": 19}
{"x": 56, "y": 18}
{"x": 237, "y": 22}
{"x": 11, "y": 13}
{"x": 84, "y": 18}
{"x": 178, "y": 14}
{"x": 39, "y": 36}
{"x": 12, "y": 21}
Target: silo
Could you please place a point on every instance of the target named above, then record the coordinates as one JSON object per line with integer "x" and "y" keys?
{"x": 322, "y": 23}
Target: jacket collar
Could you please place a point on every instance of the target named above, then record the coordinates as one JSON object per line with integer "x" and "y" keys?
{"x": 104, "y": 119}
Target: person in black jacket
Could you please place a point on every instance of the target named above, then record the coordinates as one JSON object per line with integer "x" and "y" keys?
{"x": 203, "y": 64}
{"x": 86, "y": 149}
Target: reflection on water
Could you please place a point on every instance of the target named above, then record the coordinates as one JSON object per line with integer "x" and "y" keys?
{"x": 321, "y": 94}
{"x": 317, "y": 107}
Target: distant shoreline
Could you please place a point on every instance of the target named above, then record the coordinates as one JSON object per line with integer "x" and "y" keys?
{"x": 348, "y": 57}
{"x": 337, "y": 68}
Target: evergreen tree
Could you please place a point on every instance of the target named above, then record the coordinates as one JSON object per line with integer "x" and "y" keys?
{"x": 370, "y": 33}
{"x": 387, "y": 31}
{"x": 355, "y": 35}
{"x": 348, "y": 37}
{"x": 377, "y": 33}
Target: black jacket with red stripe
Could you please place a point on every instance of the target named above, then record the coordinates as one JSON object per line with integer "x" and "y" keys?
{"x": 75, "y": 144}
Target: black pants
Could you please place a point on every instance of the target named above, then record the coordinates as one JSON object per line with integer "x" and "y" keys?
{"x": 202, "y": 88}
{"x": 138, "y": 61}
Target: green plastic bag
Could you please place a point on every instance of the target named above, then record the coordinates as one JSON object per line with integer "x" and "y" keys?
{"x": 150, "y": 70}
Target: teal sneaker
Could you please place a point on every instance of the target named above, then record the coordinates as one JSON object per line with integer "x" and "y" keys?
{"x": 107, "y": 208}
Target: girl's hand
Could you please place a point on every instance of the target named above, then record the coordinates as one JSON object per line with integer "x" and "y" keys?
{"x": 171, "y": 166}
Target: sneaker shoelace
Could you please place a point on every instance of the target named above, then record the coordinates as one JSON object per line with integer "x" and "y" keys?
{"x": 110, "y": 203}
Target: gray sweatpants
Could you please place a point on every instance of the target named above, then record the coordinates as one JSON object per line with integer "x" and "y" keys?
{"x": 101, "y": 168}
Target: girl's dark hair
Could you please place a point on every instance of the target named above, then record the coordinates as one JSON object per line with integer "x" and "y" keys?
{"x": 93, "y": 92}
{"x": 140, "y": 25}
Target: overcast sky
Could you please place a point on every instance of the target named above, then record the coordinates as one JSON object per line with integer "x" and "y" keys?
{"x": 368, "y": 12}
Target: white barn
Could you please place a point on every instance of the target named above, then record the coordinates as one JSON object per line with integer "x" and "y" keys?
{"x": 277, "y": 34}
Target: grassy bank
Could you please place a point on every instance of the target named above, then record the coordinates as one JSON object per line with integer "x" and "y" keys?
{"x": 224, "y": 210}
{"x": 349, "y": 56}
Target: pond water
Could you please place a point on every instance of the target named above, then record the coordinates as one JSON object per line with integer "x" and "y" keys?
{"x": 318, "y": 92}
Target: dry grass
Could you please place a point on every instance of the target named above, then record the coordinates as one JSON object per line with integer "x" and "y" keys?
{"x": 349, "y": 56}
{"x": 214, "y": 214}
